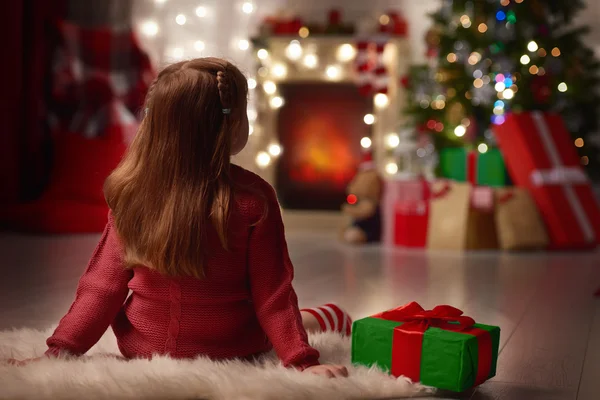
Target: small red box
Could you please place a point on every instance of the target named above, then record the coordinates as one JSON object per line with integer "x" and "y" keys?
{"x": 540, "y": 156}
{"x": 397, "y": 192}
{"x": 410, "y": 223}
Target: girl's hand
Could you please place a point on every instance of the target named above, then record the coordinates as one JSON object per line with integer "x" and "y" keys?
{"x": 329, "y": 371}
{"x": 20, "y": 363}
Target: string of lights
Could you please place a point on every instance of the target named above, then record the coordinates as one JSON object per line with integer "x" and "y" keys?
{"x": 182, "y": 30}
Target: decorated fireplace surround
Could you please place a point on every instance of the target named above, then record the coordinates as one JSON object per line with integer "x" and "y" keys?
{"x": 326, "y": 59}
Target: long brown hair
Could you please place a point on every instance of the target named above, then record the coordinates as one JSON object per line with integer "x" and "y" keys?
{"x": 174, "y": 183}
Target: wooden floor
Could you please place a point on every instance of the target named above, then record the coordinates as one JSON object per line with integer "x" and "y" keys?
{"x": 550, "y": 341}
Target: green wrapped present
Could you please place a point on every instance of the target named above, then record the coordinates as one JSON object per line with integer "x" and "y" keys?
{"x": 439, "y": 348}
{"x": 464, "y": 165}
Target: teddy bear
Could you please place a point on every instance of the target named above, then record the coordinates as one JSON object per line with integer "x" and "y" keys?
{"x": 362, "y": 205}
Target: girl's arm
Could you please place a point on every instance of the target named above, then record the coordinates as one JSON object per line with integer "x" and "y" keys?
{"x": 271, "y": 273}
{"x": 101, "y": 292}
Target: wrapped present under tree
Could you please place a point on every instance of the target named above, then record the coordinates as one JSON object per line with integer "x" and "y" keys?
{"x": 440, "y": 347}
{"x": 519, "y": 224}
{"x": 541, "y": 157}
{"x": 471, "y": 166}
{"x": 410, "y": 197}
{"x": 461, "y": 217}
{"x": 410, "y": 223}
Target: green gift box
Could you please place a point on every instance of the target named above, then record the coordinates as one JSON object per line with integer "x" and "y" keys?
{"x": 464, "y": 165}
{"x": 439, "y": 348}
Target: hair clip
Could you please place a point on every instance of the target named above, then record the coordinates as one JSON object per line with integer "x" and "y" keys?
{"x": 227, "y": 111}
{"x": 146, "y": 111}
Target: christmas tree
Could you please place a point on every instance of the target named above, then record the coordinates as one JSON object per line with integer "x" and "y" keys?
{"x": 490, "y": 57}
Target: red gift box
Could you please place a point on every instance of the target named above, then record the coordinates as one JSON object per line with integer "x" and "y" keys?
{"x": 541, "y": 157}
{"x": 398, "y": 192}
{"x": 410, "y": 224}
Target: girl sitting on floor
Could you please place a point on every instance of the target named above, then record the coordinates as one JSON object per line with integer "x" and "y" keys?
{"x": 198, "y": 241}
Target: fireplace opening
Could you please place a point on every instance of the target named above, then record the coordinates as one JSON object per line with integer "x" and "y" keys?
{"x": 319, "y": 127}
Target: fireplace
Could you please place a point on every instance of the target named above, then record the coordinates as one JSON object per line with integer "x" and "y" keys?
{"x": 310, "y": 113}
{"x": 320, "y": 128}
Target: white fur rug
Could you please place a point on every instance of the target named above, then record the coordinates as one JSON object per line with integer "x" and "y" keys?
{"x": 98, "y": 377}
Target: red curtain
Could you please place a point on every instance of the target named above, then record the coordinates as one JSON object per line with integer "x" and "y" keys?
{"x": 27, "y": 38}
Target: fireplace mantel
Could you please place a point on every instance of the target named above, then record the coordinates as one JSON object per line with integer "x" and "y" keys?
{"x": 288, "y": 60}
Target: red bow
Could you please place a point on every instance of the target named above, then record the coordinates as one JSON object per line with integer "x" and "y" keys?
{"x": 416, "y": 318}
{"x": 408, "y": 337}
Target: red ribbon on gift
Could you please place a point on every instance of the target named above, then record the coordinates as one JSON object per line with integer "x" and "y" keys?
{"x": 441, "y": 192}
{"x": 472, "y": 167}
{"x": 408, "y": 337}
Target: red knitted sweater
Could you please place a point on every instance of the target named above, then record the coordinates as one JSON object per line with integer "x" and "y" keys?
{"x": 245, "y": 306}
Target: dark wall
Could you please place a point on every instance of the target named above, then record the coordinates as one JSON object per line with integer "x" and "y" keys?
{"x": 100, "y": 12}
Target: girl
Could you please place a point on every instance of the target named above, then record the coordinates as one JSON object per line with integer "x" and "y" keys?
{"x": 198, "y": 241}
